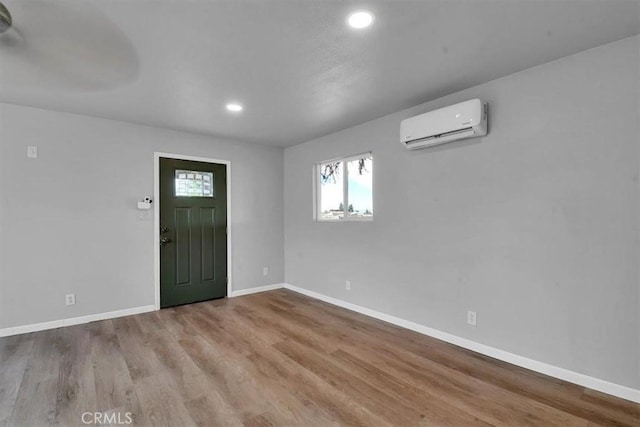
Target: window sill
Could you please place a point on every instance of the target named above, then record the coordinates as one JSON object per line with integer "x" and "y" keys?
{"x": 337, "y": 221}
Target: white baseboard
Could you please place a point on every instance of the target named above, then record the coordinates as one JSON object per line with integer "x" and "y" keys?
{"x": 524, "y": 362}
{"x": 34, "y": 327}
{"x": 241, "y": 292}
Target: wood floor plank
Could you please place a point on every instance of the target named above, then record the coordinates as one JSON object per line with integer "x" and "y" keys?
{"x": 283, "y": 401}
{"x": 290, "y": 328}
{"x": 14, "y": 356}
{"x": 211, "y": 410}
{"x": 161, "y": 402}
{"x": 173, "y": 322}
{"x": 482, "y": 406}
{"x": 140, "y": 358}
{"x": 278, "y": 358}
{"x": 35, "y": 404}
{"x": 534, "y": 386}
{"x": 372, "y": 349}
{"x": 237, "y": 387}
{"x": 364, "y": 393}
{"x": 482, "y": 402}
{"x": 194, "y": 385}
{"x": 323, "y": 401}
{"x": 113, "y": 383}
{"x": 76, "y": 393}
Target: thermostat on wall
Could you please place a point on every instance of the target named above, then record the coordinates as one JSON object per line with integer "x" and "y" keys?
{"x": 145, "y": 203}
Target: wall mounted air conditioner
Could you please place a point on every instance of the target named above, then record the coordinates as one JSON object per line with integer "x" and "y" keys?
{"x": 465, "y": 120}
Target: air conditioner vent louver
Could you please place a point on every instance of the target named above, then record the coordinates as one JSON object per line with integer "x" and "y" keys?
{"x": 443, "y": 135}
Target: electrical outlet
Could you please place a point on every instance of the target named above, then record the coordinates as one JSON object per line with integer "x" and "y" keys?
{"x": 347, "y": 285}
{"x": 70, "y": 299}
{"x": 265, "y": 271}
{"x": 471, "y": 318}
{"x": 32, "y": 152}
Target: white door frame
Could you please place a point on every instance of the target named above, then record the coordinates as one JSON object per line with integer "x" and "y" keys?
{"x": 156, "y": 215}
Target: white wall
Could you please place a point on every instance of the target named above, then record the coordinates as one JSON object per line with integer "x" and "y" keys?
{"x": 68, "y": 220}
{"x": 535, "y": 226}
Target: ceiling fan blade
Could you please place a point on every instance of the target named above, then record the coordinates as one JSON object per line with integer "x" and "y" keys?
{"x": 5, "y": 19}
{"x": 69, "y": 45}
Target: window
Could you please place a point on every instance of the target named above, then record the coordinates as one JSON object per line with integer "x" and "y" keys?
{"x": 194, "y": 184}
{"x": 345, "y": 189}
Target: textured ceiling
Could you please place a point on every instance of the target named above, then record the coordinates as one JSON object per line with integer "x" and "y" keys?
{"x": 297, "y": 68}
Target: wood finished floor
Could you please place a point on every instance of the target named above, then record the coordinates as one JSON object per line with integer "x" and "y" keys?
{"x": 277, "y": 358}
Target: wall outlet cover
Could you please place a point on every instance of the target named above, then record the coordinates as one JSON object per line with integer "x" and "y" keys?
{"x": 70, "y": 299}
{"x": 471, "y": 318}
{"x": 32, "y": 152}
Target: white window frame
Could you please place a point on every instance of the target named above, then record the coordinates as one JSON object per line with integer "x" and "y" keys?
{"x": 317, "y": 192}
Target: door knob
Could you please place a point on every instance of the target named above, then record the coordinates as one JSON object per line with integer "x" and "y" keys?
{"x": 164, "y": 241}
{"x": 164, "y": 230}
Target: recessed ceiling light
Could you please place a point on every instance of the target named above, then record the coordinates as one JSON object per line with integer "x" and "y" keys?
{"x": 234, "y": 107}
{"x": 360, "y": 19}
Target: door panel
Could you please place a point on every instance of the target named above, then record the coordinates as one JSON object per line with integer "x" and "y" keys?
{"x": 193, "y": 223}
{"x": 183, "y": 246}
{"x": 208, "y": 251}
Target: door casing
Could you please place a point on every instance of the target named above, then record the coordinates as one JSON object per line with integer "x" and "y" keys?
{"x": 156, "y": 216}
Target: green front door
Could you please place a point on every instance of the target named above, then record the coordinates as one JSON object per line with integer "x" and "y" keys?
{"x": 193, "y": 231}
